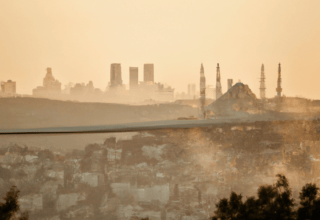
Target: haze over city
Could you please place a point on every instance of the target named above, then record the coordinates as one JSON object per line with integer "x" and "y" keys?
{"x": 159, "y": 110}
{"x": 80, "y": 39}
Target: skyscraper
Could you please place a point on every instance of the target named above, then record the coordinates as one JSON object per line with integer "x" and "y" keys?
{"x": 115, "y": 75}
{"x": 202, "y": 90}
{"x": 279, "y": 89}
{"x": 148, "y": 73}
{"x": 134, "y": 77}
{"x": 262, "y": 84}
{"x": 218, "y": 84}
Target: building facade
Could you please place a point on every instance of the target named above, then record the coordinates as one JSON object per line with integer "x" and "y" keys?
{"x": 81, "y": 89}
{"x": 51, "y": 86}
{"x": 148, "y": 73}
{"x": 210, "y": 92}
{"x": 115, "y": 75}
{"x": 133, "y": 77}
{"x": 192, "y": 91}
{"x": 8, "y": 88}
{"x": 50, "y": 83}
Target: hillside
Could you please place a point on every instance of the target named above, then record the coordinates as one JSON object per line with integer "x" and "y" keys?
{"x": 36, "y": 113}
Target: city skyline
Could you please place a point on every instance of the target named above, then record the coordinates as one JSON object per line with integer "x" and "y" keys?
{"x": 85, "y": 38}
{"x": 127, "y": 85}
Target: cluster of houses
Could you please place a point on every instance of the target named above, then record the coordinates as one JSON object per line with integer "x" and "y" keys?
{"x": 157, "y": 175}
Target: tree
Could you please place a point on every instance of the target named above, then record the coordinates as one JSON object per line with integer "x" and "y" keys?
{"x": 10, "y": 208}
{"x": 274, "y": 202}
{"x": 309, "y": 203}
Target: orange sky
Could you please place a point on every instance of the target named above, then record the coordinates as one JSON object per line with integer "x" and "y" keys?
{"x": 79, "y": 39}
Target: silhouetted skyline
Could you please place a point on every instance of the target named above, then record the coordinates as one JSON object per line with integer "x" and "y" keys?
{"x": 79, "y": 40}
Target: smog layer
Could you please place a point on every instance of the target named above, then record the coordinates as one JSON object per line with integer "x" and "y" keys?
{"x": 168, "y": 173}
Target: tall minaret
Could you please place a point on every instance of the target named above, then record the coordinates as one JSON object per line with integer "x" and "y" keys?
{"x": 202, "y": 90}
{"x": 279, "y": 89}
{"x": 262, "y": 84}
{"x": 218, "y": 84}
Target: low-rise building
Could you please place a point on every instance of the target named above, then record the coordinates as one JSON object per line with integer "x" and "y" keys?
{"x": 8, "y": 88}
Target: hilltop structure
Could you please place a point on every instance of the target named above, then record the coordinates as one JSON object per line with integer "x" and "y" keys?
{"x": 238, "y": 101}
{"x": 262, "y": 84}
{"x": 279, "y": 89}
{"x": 8, "y": 89}
{"x": 51, "y": 86}
{"x": 202, "y": 89}
{"x": 218, "y": 84}
{"x": 81, "y": 89}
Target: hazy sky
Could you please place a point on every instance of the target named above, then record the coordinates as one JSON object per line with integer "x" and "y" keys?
{"x": 79, "y": 39}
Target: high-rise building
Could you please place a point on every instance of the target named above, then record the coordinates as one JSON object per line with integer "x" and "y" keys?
{"x": 134, "y": 77}
{"x": 262, "y": 84}
{"x": 191, "y": 91}
{"x": 50, "y": 83}
{"x": 218, "y": 84}
{"x": 148, "y": 73}
{"x": 50, "y": 87}
{"x": 279, "y": 89}
{"x": 115, "y": 75}
{"x": 230, "y": 83}
{"x": 202, "y": 90}
{"x": 8, "y": 88}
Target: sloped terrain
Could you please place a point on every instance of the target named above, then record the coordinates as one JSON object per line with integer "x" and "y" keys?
{"x": 18, "y": 113}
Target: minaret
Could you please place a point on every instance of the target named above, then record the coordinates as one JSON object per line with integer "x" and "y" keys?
{"x": 279, "y": 89}
{"x": 202, "y": 90}
{"x": 262, "y": 84}
{"x": 218, "y": 84}
{"x": 230, "y": 83}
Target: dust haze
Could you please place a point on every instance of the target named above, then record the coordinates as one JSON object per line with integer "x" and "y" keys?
{"x": 211, "y": 98}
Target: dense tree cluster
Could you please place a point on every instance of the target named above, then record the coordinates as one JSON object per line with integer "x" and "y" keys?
{"x": 10, "y": 209}
{"x": 273, "y": 202}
